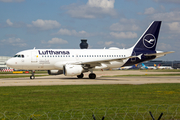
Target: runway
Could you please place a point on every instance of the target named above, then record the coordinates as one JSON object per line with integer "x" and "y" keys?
{"x": 64, "y": 80}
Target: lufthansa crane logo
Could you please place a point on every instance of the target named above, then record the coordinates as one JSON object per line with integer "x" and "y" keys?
{"x": 149, "y": 41}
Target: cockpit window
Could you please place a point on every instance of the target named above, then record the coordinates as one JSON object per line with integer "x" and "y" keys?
{"x": 19, "y": 56}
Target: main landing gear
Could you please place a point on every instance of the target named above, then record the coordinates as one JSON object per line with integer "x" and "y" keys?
{"x": 91, "y": 76}
{"x": 32, "y": 76}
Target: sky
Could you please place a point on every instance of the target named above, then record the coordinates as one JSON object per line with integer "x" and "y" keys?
{"x": 61, "y": 24}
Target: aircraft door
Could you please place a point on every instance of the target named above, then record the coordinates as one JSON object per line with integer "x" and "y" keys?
{"x": 34, "y": 57}
{"x": 77, "y": 57}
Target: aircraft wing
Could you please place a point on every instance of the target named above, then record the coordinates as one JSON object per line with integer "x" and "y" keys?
{"x": 159, "y": 53}
{"x": 94, "y": 63}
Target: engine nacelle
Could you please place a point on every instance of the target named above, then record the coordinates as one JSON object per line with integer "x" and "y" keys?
{"x": 55, "y": 72}
{"x": 72, "y": 70}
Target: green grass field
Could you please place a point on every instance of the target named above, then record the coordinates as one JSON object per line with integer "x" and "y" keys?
{"x": 29, "y": 99}
{"x": 43, "y": 100}
{"x": 53, "y": 98}
{"x": 150, "y": 75}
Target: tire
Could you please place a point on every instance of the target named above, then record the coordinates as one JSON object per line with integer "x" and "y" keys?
{"x": 32, "y": 77}
{"x": 92, "y": 76}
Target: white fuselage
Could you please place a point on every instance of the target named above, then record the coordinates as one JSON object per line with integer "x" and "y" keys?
{"x": 55, "y": 59}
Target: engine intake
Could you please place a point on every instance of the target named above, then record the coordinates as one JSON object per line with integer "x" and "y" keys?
{"x": 72, "y": 70}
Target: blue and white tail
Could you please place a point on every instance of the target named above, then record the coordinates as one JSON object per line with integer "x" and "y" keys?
{"x": 149, "y": 38}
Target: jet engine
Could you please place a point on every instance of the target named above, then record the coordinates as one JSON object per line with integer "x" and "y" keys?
{"x": 72, "y": 70}
{"x": 55, "y": 72}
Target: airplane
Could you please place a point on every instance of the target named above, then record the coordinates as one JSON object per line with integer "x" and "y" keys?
{"x": 129, "y": 67}
{"x": 148, "y": 67}
{"x": 75, "y": 62}
{"x": 164, "y": 67}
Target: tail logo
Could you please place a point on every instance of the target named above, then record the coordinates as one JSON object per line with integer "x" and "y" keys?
{"x": 149, "y": 41}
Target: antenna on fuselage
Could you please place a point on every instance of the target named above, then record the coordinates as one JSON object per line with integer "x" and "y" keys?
{"x": 34, "y": 48}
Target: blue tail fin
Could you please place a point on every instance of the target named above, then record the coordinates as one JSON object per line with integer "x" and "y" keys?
{"x": 144, "y": 66}
{"x": 149, "y": 38}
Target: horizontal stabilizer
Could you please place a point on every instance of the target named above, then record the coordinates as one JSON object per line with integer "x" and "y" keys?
{"x": 159, "y": 54}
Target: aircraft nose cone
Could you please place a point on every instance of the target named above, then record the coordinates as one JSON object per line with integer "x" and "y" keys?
{"x": 9, "y": 63}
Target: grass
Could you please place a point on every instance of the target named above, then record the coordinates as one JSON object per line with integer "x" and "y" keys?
{"x": 55, "y": 98}
{"x": 163, "y": 70}
{"x": 16, "y": 75}
{"x": 36, "y": 72}
{"x": 20, "y": 76}
{"x": 143, "y": 75}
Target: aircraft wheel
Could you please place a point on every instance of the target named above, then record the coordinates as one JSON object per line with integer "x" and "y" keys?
{"x": 32, "y": 77}
{"x": 92, "y": 76}
{"x": 81, "y": 75}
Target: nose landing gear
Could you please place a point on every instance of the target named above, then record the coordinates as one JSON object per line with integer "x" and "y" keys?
{"x": 32, "y": 76}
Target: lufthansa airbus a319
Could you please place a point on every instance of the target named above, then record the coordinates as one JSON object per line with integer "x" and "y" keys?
{"x": 75, "y": 62}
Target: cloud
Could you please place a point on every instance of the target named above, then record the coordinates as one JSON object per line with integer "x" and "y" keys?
{"x": 109, "y": 43}
{"x": 150, "y": 10}
{"x": 9, "y": 1}
{"x": 168, "y": 1}
{"x": 44, "y": 24}
{"x": 163, "y": 46}
{"x": 125, "y": 25}
{"x": 169, "y": 16}
{"x": 9, "y": 22}
{"x": 124, "y": 35}
{"x": 14, "y": 42}
{"x": 93, "y": 9}
{"x": 72, "y": 33}
{"x": 57, "y": 41}
{"x": 174, "y": 26}
{"x": 101, "y": 3}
